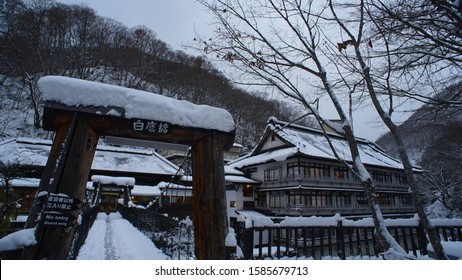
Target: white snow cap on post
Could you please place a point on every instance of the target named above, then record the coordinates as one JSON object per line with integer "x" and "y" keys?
{"x": 119, "y": 181}
{"x": 136, "y": 103}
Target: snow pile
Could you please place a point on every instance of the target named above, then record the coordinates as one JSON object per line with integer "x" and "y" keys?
{"x": 231, "y": 240}
{"x": 18, "y": 240}
{"x": 135, "y": 103}
{"x": 452, "y": 249}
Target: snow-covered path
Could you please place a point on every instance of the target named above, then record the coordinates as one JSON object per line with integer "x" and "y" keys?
{"x": 114, "y": 238}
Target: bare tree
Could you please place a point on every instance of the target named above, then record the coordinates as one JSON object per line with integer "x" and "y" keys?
{"x": 401, "y": 48}
{"x": 441, "y": 183}
{"x": 280, "y": 44}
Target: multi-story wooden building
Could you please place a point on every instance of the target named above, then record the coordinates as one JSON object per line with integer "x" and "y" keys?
{"x": 300, "y": 175}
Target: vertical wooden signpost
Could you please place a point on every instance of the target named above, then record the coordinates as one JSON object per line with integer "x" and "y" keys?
{"x": 209, "y": 198}
{"x": 65, "y": 176}
{"x": 61, "y": 190}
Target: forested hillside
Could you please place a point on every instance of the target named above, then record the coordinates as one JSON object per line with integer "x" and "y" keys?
{"x": 433, "y": 138}
{"x": 47, "y": 38}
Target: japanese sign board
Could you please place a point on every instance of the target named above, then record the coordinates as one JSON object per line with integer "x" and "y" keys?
{"x": 58, "y": 219}
{"x": 59, "y": 202}
{"x": 155, "y": 127}
{"x": 56, "y": 208}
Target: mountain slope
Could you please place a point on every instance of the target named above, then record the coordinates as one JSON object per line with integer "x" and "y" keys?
{"x": 433, "y": 139}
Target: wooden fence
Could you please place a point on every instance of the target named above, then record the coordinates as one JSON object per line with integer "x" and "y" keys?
{"x": 333, "y": 241}
{"x": 146, "y": 219}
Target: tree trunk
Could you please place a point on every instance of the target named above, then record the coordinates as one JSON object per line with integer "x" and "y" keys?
{"x": 384, "y": 239}
{"x": 408, "y": 168}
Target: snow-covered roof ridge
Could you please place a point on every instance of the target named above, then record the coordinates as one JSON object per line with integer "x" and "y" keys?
{"x": 281, "y": 125}
{"x": 34, "y": 152}
{"x": 312, "y": 142}
{"x": 135, "y": 103}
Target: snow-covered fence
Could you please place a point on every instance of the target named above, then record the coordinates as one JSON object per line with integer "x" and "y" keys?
{"x": 174, "y": 237}
{"x": 333, "y": 237}
{"x": 146, "y": 219}
{"x": 178, "y": 243}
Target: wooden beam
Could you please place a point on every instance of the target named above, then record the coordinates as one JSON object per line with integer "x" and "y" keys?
{"x": 65, "y": 175}
{"x": 209, "y": 198}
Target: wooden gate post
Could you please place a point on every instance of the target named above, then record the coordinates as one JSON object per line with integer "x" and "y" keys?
{"x": 65, "y": 176}
{"x": 209, "y": 198}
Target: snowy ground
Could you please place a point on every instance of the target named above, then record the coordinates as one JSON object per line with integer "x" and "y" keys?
{"x": 113, "y": 238}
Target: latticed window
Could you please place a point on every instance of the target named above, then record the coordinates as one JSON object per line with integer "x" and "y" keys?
{"x": 293, "y": 170}
{"x": 341, "y": 173}
{"x": 381, "y": 177}
{"x": 343, "y": 199}
{"x": 272, "y": 174}
{"x": 400, "y": 179}
{"x": 277, "y": 201}
{"x": 316, "y": 170}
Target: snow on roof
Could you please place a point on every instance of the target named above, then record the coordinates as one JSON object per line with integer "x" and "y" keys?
{"x": 312, "y": 143}
{"x": 140, "y": 190}
{"x": 168, "y": 185}
{"x": 119, "y": 181}
{"x": 239, "y": 179}
{"x": 233, "y": 175}
{"x": 26, "y": 151}
{"x": 276, "y": 155}
{"x": 136, "y": 103}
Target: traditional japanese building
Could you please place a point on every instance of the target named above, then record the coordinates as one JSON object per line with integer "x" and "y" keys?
{"x": 26, "y": 158}
{"x": 300, "y": 175}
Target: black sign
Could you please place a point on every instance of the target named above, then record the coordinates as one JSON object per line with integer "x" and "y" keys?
{"x": 155, "y": 127}
{"x": 56, "y": 219}
{"x": 61, "y": 202}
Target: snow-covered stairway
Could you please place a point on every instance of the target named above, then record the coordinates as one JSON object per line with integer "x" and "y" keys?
{"x": 114, "y": 238}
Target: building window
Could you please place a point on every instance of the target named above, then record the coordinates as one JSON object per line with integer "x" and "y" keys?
{"x": 276, "y": 201}
{"x": 361, "y": 199}
{"x": 318, "y": 199}
{"x": 385, "y": 199}
{"x": 316, "y": 170}
{"x": 341, "y": 173}
{"x": 297, "y": 200}
{"x": 323, "y": 199}
{"x": 312, "y": 170}
{"x": 405, "y": 199}
{"x": 248, "y": 191}
{"x": 293, "y": 170}
{"x": 343, "y": 199}
{"x": 272, "y": 174}
{"x": 381, "y": 177}
{"x": 261, "y": 200}
{"x": 232, "y": 204}
{"x": 400, "y": 179}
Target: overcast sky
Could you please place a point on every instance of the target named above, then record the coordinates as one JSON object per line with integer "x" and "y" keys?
{"x": 174, "y": 21}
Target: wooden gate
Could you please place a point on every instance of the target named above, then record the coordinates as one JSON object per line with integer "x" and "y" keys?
{"x": 80, "y": 112}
